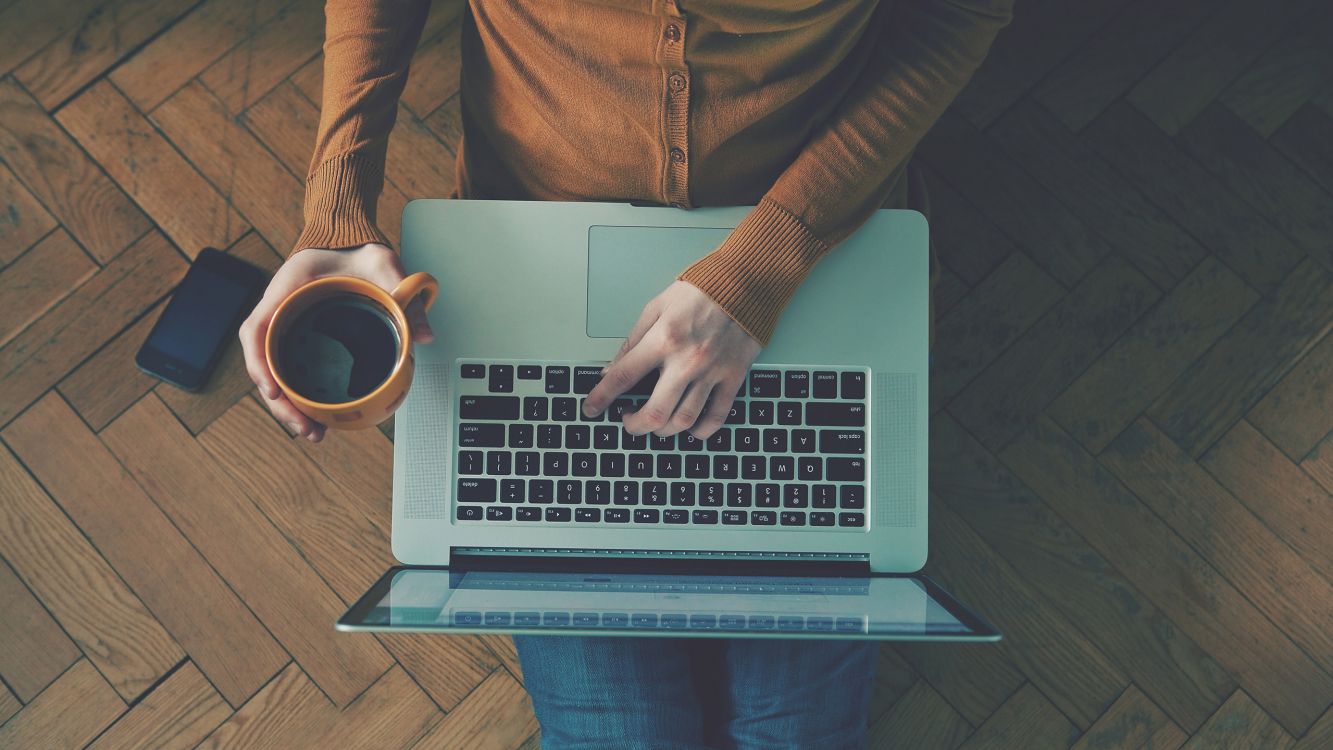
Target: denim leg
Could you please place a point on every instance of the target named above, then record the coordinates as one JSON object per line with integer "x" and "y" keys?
{"x": 798, "y": 693}
{"x": 614, "y": 693}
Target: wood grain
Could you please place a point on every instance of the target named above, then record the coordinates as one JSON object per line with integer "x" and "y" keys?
{"x": 23, "y": 220}
{"x": 976, "y": 680}
{"x": 1298, "y": 411}
{"x": 1302, "y": 140}
{"x": 1238, "y": 725}
{"x": 28, "y": 25}
{"x": 33, "y": 649}
{"x": 109, "y": 381}
{"x": 391, "y": 713}
{"x": 436, "y": 64}
{"x": 177, "y": 715}
{"x": 1291, "y": 72}
{"x": 1133, "y": 721}
{"x": 497, "y": 715}
{"x": 284, "y": 42}
{"x": 893, "y": 678}
{"x": 920, "y": 719}
{"x": 1026, "y": 720}
{"x": 48, "y": 722}
{"x": 288, "y": 711}
{"x": 38, "y": 280}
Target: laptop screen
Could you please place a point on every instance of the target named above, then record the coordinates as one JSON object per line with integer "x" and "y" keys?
{"x": 661, "y": 604}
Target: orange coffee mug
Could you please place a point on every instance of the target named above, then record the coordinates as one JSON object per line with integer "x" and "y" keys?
{"x": 340, "y": 348}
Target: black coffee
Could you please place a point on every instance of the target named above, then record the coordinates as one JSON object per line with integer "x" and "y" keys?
{"x": 338, "y": 350}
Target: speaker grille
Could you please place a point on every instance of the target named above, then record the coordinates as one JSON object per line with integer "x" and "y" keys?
{"x": 894, "y": 446}
{"x": 423, "y": 422}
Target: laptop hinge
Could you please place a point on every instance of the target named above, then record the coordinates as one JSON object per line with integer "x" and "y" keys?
{"x": 658, "y": 561}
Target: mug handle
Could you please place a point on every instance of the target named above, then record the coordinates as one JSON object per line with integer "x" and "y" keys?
{"x": 418, "y": 283}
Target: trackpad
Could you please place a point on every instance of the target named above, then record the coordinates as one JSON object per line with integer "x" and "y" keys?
{"x": 627, "y": 266}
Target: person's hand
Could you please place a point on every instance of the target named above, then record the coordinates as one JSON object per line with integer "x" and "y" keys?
{"x": 374, "y": 263}
{"x": 703, "y": 354}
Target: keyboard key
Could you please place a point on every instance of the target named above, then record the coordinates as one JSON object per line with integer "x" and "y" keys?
{"x": 529, "y": 372}
{"x": 511, "y": 490}
{"x": 852, "y": 496}
{"x": 616, "y": 515}
{"x": 840, "y": 441}
{"x": 501, "y": 380}
{"x": 763, "y": 517}
{"x": 793, "y": 518}
{"x": 469, "y": 513}
{"x": 555, "y": 464}
{"x": 613, "y": 465}
{"x": 789, "y": 412}
{"x": 851, "y": 519}
{"x": 703, "y": 622}
{"x": 578, "y": 437}
{"x": 632, "y": 442}
{"x": 585, "y": 619}
{"x": 527, "y": 513}
{"x": 569, "y": 492}
{"x": 826, "y": 384}
{"x": 469, "y": 462}
{"x": 824, "y": 518}
{"x": 696, "y": 467}
{"x": 586, "y": 378}
{"x": 563, "y": 408}
{"x": 846, "y": 469}
{"x": 802, "y": 441}
{"x": 527, "y": 463}
{"x": 476, "y": 491}
{"x": 645, "y": 386}
{"x": 640, "y": 465}
{"x": 625, "y": 493}
{"x": 781, "y": 468}
{"x": 557, "y": 514}
{"x": 765, "y": 383}
{"x": 795, "y": 496}
{"x": 618, "y": 409}
{"x": 541, "y": 491}
{"x": 535, "y": 408}
{"x": 675, "y": 515}
{"x": 724, "y": 467}
{"x": 588, "y": 515}
{"x": 668, "y": 465}
{"x": 474, "y": 371}
{"x": 738, "y": 495}
{"x": 809, "y": 468}
{"x": 835, "y": 414}
{"x": 646, "y": 515}
{"x": 699, "y": 516}
{"x": 555, "y": 618}
{"x": 654, "y": 493}
{"x": 761, "y": 622}
{"x": 557, "y": 379}
{"x": 583, "y": 464}
{"x": 797, "y": 384}
{"x": 498, "y": 463}
{"x": 481, "y": 435}
{"x": 823, "y": 496}
{"x": 599, "y": 417}
{"x": 663, "y": 442}
{"x": 497, "y": 513}
{"x": 737, "y": 413}
{"x": 753, "y": 467}
{"x": 682, "y": 493}
{"x": 598, "y": 492}
{"x": 775, "y": 440}
{"x": 710, "y": 493}
{"x": 853, "y": 385}
{"x": 674, "y": 620}
{"x": 734, "y": 517}
{"x": 689, "y": 442}
{"x": 488, "y": 407}
{"x": 766, "y": 495}
{"x": 747, "y": 440}
{"x": 605, "y": 437}
{"x": 761, "y": 412}
{"x": 548, "y": 436}
{"x": 520, "y": 435}
{"x": 720, "y": 440}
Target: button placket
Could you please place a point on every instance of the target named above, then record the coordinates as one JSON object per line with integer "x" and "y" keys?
{"x": 676, "y": 93}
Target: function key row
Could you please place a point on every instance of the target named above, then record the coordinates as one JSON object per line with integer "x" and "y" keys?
{"x": 762, "y": 383}
{"x": 671, "y": 516}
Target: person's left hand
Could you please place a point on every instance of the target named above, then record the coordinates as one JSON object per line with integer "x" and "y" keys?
{"x": 702, "y": 353}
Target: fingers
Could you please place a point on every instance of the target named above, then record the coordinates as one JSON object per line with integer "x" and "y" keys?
{"x": 630, "y": 369}
{"x": 647, "y": 318}
{"x": 251, "y": 335}
{"x": 719, "y": 407}
{"x": 657, "y": 412}
{"x": 690, "y": 408}
{"x": 296, "y": 422}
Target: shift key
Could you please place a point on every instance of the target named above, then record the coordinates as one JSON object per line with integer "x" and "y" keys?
{"x": 488, "y": 407}
{"x": 835, "y": 414}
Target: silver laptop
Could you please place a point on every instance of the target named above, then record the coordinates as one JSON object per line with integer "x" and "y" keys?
{"x": 804, "y": 516}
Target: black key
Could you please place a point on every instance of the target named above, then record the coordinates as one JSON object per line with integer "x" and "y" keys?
{"x": 583, "y": 464}
{"x": 502, "y": 379}
{"x": 853, "y": 385}
{"x": 476, "y": 491}
{"x": 600, "y": 416}
{"x": 481, "y": 435}
{"x": 529, "y": 372}
{"x": 710, "y": 493}
{"x": 588, "y": 515}
{"x": 775, "y": 440}
{"x": 618, "y": 409}
{"x": 795, "y": 496}
{"x": 789, "y": 412}
{"x": 809, "y": 468}
{"x": 645, "y": 386}
{"x": 761, "y": 412}
{"x": 793, "y": 518}
{"x": 720, "y": 440}
{"x": 613, "y": 465}
{"x": 781, "y": 468}
{"x": 663, "y": 442}
{"x": 632, "y": 442}
{"x": 626, "y": 493}
{"x": 696, "y": 467}
{"x": 598, "y": 492}
{"x": 586, "y": 378}
{"x": 527, "y": 463}
{"x": 676, "y": 515}
{"x": 747, "y": 439}
{"x": 826, "y": 384}
{"x": 646, "y": 515}
{"x": 563, "y": 408}
{"x": 654, "y": 493}
{"x": 497, "y": 513}
{"x": 557, "y": 379}
{"x": 766, "y": 495}
{"x": 616, "y": 515}
{"x": 535, "y": 408}
{"x": 734, "y": 517}
{"x": 668, "y": 465}
{"x": 578, "y": 437}
{"x": 469, "y": 462}
{"x": 541, "y": 491}
{"x": 548, "y": 436}
{"x": 724, "y": 467}
{"x": 737, "y": 413}
{"x": 821, "y": 519}
{"x": 835, "y": 414}
{"x": 569, "y": 492}
{"x": 846, "y": 469}
{"x": 557, "y": 514}
{"x": 851, "y": 519}
{"x": 469, "y": 513}
{"x": 753, "y": 467}
{"x": 763, "y": 517}
{"x": 511, "y": 490}
{"x": 823, "y": 496}
{"x": 840, "y": 441}
{"x": 797, "y": 384}
{"x": 498, "y": 463}
{"x": 802, "y": 441}
{"x": 488, "y": 407}
{"x": 474, "y": 371}
{"x": 699, "y": 516}
{"x": 852, "y": 496}
{"x": 738, "y": 495}
{"x": 555, "y": 464}
{"x": 689, "y": 442}
{"x": 682, "y": 493}
{"x": 527, "y": 513}
{"x": 604, "y": 437}
{"x": 640, "y": 464}
{"x": 520, "y": 435}
{"x": 765, "y": 383}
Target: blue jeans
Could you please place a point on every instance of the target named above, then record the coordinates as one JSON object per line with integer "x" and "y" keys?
{"x": 685, "y": 693}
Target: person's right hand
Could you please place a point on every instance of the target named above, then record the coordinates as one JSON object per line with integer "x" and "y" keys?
{"x": 374, "y": 263}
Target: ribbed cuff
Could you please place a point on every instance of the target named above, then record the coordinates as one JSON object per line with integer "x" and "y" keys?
{"x": 755, "y": 272}
{"x": 340, "y": 199}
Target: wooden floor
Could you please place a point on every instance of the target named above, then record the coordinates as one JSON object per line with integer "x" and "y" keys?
{"x": 1132, "y": 447}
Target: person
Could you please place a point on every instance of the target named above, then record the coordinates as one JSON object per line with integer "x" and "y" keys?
{"x": 809, "y": 111}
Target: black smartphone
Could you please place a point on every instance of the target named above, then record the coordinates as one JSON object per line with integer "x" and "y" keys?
{"x": 202, "y": 316}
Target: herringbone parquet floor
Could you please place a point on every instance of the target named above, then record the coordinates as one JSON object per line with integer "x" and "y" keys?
{"x": 1132, "y": 446}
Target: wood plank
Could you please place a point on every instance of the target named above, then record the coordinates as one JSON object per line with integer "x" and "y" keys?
{"x": 1228, "y": 226}
{"x": 1097, "y": 194}
{"x": 921, "y": 719}
{"x": 245, "y": 548}
{"x": 68, "y": 714}
{"x": 1138, "y": 637}
{"x": 39, "y": 280}
{"x": 1199, "y": 69}
{"x": 1319, "y": 464}
{"x": 893, "y": 678}
{"x": 1303, "y": 139}
{"x": 177, "y": 715}
{"x": 252, "y": 68}
{"x": 108, "y": 382}
{"x": 1173, "y": 334}
{"x": 238, "y": 165}
{"x": 1319, "y": 736}
{"x": 33, "y": 649}
{"x": 949, "y": 291}
{"x": 1226, "y": 534}
{"x": 9, "y": 705}
{"x": 84, "y": 52}
{"x": 416, "y": 162}
{"x": 1026, "y": 720}
{"x": 496, "y": 716}
{"x": 987, "y": 322}
{"x": 502, "y": 646}
{"x": 436, "y": 63}
{"x": 188, "y": 47}
{"x": 68, "y": 183}
{"x": 1240, "y": 724}
{"x": 448, "y": 669}
{"x": 1133, "y": 721}
{"x": 146, "y": 166}
{"x": 57, "y": 342}
{"x": 23, "y": 220}
{"x": 361, "y": 463}
{"x": 175, "y": 582}
{"x": 975, "y": 680}
{"x": 1170, "y": 574}
{"x": 1054, "y": 654}
{"x": 1277, "y": 491}
{"x": 26, "y": 26}
{"x": 1053, "y": 352}
{"x": 391, "y": 713}
{"x": 1106, "y": 66}
{"x": 287, "y": 123}
{"x": 1298, "y": 412}
{"x": 1289, "y": 74}
{"x": 1238, "y": 370}
{"x": 964, "y": 239}
{"x": 447, "y": 123}
{"x": 1024, "y": 210}
{"x": 285, "y": 714}
{"x": 79, "y": 588}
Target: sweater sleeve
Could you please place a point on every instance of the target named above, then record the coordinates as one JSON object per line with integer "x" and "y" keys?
{"x": 368, "y": 45}
{"x": 926, "y": 52}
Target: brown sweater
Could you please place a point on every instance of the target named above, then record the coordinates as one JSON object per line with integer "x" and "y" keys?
{"x": 809, "y": 109}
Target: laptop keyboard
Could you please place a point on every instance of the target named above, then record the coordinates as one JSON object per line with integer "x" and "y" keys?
{"x": 791, "y": 455}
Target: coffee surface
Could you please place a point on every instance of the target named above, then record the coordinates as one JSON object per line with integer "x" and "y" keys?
{"x": 338, "y": 350}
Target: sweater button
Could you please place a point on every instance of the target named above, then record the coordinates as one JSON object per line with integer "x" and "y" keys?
{"x": 672, "y": 33}
{"x": 677, "y": 156}
{"x": 676, "y": 82}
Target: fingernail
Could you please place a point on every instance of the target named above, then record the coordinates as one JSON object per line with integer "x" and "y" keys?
{"x": 294, "y": 427}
